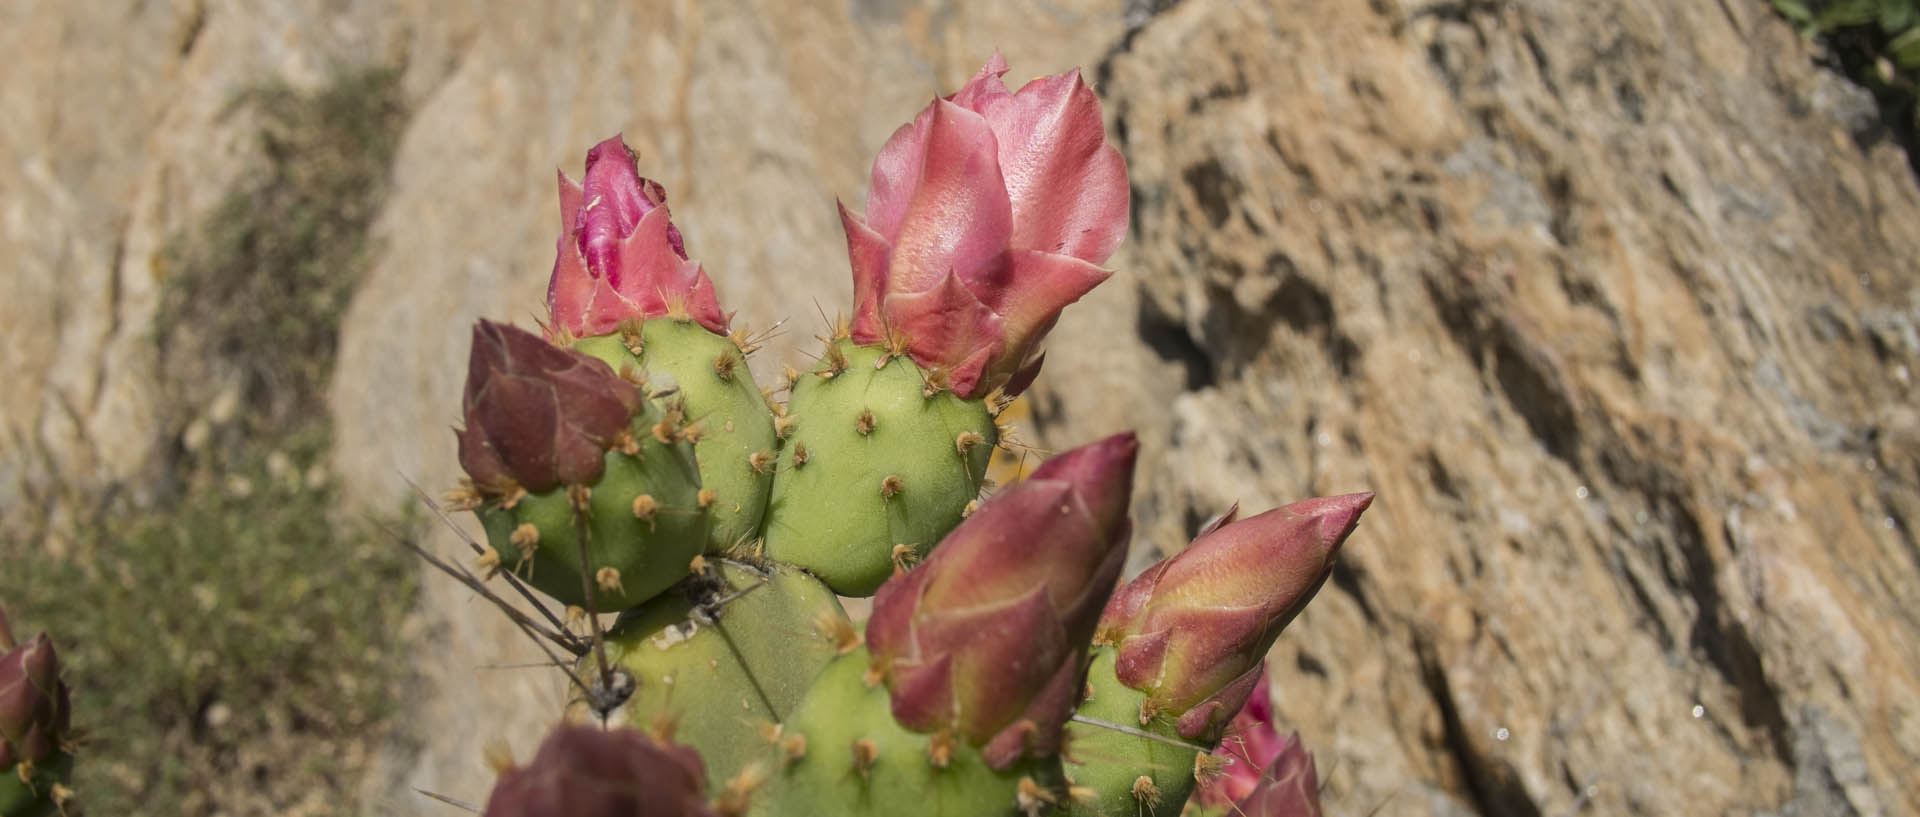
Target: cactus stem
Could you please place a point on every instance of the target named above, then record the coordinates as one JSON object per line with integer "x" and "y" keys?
{"x": 511, "y": 494}
{"x": 698, "y": 565}
{"x": 904, "y": 558}
{"x": 866, "y": 423}
{"x": 630, "y": 337}
{"x": 799, "y": 454}
{"x": 576, "y": 615}
{"x": 890, "y": 487}
{"x": 724, "y": 364}
{"x": 789, "y": 374}
{"x": 837, "y": 629}
{"x": 761, "y": 461}
{"x": 1034, "y": 799}
{"x": 706, "y": 497}
{"x": 579, "y": 495}
{"x": 1208, "y": 767}
{"x": 644, "y": 507}
{"x": 693, "y": 432}
{"x": 794, "y": 746}
{"x": 966, "y": 441}
{"x": 865, "y": 754}
{"x": 836, "y": 362}
{"x": 1149, "y": 709}
{"x": 664, "y": 430}
{"x": 1146, "y": 792}
{"x": 940, "y": 749}
{"x": 609, "y": 580}
{"x": 936, "y": 382}
{"x": 626, "y": 443}
{"x": 488, "y": 562}
{"x": 972, "y": 505}
{"x": 783, "y": 426}
{"x": 631, "y": 375}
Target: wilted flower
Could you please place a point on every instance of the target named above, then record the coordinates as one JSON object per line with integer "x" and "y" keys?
{"x": 538, "y": 415}
{"x": 586, "y": 771}
{"x": 34, "y": 707}
{"x": 987, "y": 638}
{"x": 619, "y": 256}
{"x": 987, "y": 215}
{"x": 1192, "y": 630}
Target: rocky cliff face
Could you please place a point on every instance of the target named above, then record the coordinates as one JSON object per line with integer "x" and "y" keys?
{"x": 1613, "y": 304}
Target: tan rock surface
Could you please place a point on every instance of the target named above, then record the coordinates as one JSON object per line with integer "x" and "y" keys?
{"x": 1614, "y": 305}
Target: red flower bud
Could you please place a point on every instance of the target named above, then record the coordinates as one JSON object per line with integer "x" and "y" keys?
{"x": 538, "y": 415}
{"x": 34, "y": 706}
{"x": 1192, "y": 630}
{"x": 619, "y": 256}
{"x": 585, "y": 771}
{"x": 988, "y": 214}
{"x": 988, "y": 637}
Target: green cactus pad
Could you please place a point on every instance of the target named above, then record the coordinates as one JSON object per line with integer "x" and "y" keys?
{"x": 859, "y": 761}
{"x": 737, "y": 447}
{"x": 33, "y": 797}
{"x": 872, "y": 462}
{"x": 643, "y": 520}
{"x": 724, "y": 675}
{"x": 1108, "y": 764}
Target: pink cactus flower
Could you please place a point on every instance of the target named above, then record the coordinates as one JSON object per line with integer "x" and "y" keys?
{"x": 1265, "y": 775}
{"x": 1192, "y": 630}
{"x": 619, "y": 256}
{"x": 987, "y": 215}
{"x": 987, "y": 639}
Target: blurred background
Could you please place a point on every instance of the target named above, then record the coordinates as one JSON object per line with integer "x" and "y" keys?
{"x": 1613, "y": 303}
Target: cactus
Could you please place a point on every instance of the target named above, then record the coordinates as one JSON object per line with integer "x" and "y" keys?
{"x": 1180, "y": 647}
{"x": 723, "y": 664}
{"x": 1004, "y": 669}
{"x": 987, "y": 215}
{"x": 559, "y": 447}
{"x": 876, "y": 469}
{"x": 623, "y": 285}
{"x": 36, "y": 755}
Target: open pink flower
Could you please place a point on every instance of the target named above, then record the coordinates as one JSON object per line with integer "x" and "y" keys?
{"x": 619, "y": 255}
{"x": 987, "y": 215}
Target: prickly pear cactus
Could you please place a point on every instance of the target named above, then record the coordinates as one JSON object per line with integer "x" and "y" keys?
{"x": 723, "y": 663}
{"x": 1002, "y": 670}
{"x": 877, "y": 468}
{"x": 730, "y": 421}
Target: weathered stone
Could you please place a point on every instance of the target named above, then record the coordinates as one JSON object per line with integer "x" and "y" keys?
{"x": 1612, "y": 304}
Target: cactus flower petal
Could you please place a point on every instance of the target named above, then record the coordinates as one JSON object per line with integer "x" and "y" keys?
{"x": 1266, "y": 775}
{"x": 619, "y": 257}
{"x": 1192, "y": 630}
{"x": 987, "y": 637}
{"x": 538, "y": 415}
{"x": 1016, "y": 197}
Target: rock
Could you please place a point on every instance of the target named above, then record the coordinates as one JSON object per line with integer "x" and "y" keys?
{"x": 1612, "y": 304}
{"x": 1614, "y": 319}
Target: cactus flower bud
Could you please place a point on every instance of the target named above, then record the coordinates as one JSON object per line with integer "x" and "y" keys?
{"x": 34, "y": 708}
{"x": 585, "y": 771}
{"x": 987, "y": 638}
{"x": 619, "y": 256}
{"x": 538, "y": 415}
{"x": 987, "y": 215}
{"x": 1192, "y": 630}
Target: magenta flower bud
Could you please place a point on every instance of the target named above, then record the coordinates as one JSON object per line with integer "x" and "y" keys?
{"x": 538, "y": 415}
{"x": 1191, "y": 632}
{"x": 619, "y": 256}
{"x": 34, "y": 706}
{"x": 987, "y": 215}
{"x": 586, "y": 771}
{"x": 987, "y": 639}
